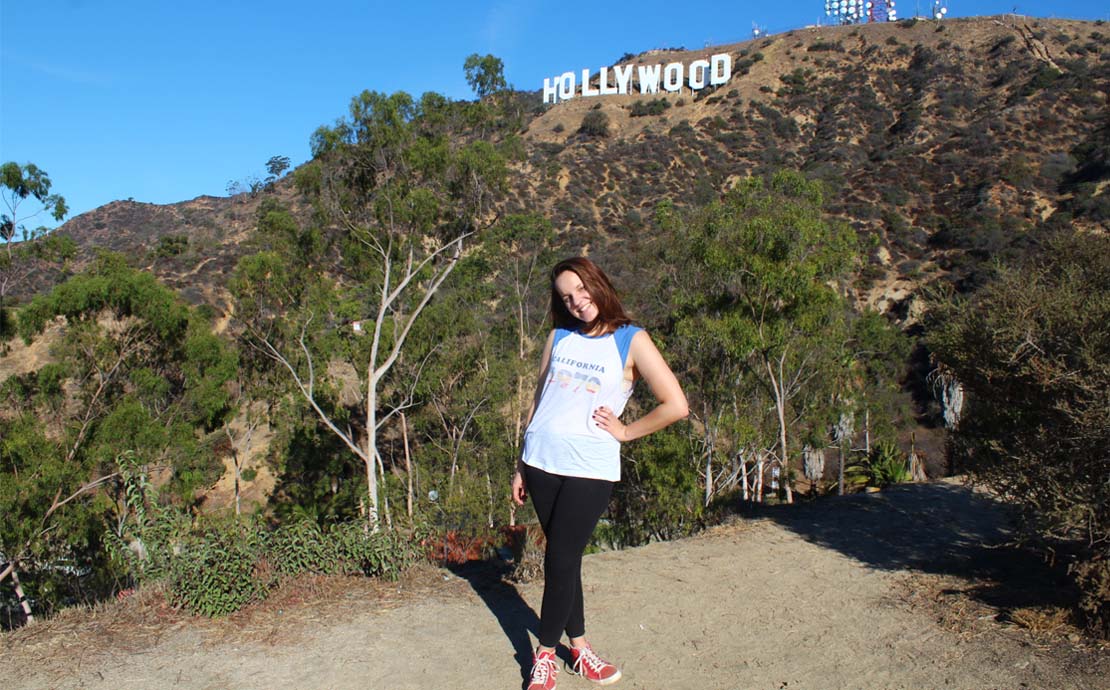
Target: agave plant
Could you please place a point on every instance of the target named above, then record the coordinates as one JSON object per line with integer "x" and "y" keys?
{"x": 887, "y": 465}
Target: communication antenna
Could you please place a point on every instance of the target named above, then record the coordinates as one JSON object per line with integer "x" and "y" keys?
{"x": 861, "y": 11}
{"x": 940, "y": 9}
{"x": 758, "y": 31}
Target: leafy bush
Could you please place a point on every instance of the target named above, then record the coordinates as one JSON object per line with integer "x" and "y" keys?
{"x": 595, "y": 124}
{"x": 301, "y": 547}
{"x": 655, "y": 107}
{"x": 385, "y": 553}
{"x": 226, "y": 567}
{"x": 1044, "y": 78}
{"x": 1032, "y": 352}
{"x": 171, "y": 245}
{"x": 796, "y": 81}
{"x": 1003, "y": 42}
{"x": 659, "y": 497}
{"x": 219, "y": 572}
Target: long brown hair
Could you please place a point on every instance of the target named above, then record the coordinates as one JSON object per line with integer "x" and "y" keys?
{"x": 610, "y": 313}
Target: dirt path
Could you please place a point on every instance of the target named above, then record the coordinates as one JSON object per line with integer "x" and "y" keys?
{"x": 890, "y": 590}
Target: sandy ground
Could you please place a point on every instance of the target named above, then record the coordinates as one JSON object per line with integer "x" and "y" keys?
{"x": 900, "y": 589}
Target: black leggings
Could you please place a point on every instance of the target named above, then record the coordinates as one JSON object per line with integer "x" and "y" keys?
{"x": 568, "y": 508}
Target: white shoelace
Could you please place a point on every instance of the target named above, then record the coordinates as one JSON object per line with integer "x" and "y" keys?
{"x": 542, "y": 667}
{"x": 587, "y": 656}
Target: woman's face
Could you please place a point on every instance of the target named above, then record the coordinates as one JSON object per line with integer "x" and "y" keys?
{"x": 575, "y": 296}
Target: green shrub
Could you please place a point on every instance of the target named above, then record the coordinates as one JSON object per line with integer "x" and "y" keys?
{"x": 219, "y": 572}
{"x": 301, "y": 547}
{"x": 1003, "y": 42}
{"x": 595, "y": 124}
{"x": 654, "y": 107}
{"x": 659, "y": 498}
{"x": 171, "y": 245}
{"x": 228, "y": 566}
{"x": 1032, "y": 353}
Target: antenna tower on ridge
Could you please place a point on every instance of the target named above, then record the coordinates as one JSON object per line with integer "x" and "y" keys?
{"x": 861, "y": 11}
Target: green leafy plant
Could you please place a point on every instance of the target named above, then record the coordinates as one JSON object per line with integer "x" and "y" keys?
{"x": 595, "y": 124}
{"x": 1031, "y": 351}
{"x": 887, "y": 465}
{"x": 219, "y": 572}
{"x": 301, "y": 547}
{"x": 383, "y": 554}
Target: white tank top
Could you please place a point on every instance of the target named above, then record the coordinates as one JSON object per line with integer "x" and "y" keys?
{"x": 584, "y": 374}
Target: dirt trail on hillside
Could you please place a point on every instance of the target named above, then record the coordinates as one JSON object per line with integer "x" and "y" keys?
{"x": 898, "y": 589}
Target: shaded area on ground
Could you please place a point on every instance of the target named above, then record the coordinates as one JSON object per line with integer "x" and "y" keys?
{"x": 513, "y": 614}
{"x": 940, "y": 528}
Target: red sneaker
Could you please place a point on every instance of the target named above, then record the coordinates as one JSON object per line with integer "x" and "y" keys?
{"x": 592, "y": 667}
{"x": 544, "y": 669}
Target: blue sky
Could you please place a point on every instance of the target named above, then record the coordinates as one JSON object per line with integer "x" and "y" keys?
{"x": 163, "y": 102}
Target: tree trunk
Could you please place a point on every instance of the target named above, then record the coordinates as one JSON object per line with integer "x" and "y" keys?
{"x": 840, "y": 476}
{"x": 760, "y": 460}
{"x": 408, "y": 462}
{"x": 385, "y": 496}
{"x": 867, "y": 432}
{"x": 778, "y": 385}
{"x": 371, "y": 452}
{"x": 708, "y": 465}
{"x": 744, "y": 495}
{"x": 23, "y": 603}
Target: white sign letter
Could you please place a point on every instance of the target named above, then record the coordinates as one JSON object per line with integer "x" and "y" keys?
{"x": 698, "y": 68}
{"x": 672, "y": 77}
{"x": 586, "y": 90}
{"x": 722, "y": 69}
{"x": 649, "y": 78}
{"x": 566, "y": 86}
{"x": 603, "y": 82}
{"x": 624, "y": 78}
{"x": 550, "y": 91}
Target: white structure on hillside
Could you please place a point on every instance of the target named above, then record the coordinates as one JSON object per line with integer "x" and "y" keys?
{"x": 861, "y": 11}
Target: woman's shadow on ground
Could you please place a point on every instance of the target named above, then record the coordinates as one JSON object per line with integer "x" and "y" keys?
{"x": 516, "y": 617}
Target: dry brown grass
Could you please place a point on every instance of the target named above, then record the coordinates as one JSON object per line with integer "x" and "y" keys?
{"x": 953, "y": 603}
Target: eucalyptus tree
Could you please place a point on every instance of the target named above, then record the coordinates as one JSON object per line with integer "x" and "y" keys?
{"x": 23, "y": 246}
{"x": 20, "y": 183}
{"x": 485, "y": 74}
{"x": 132, "y": 371}
{"x": 518, "y": 251}
{"x": 758, "y": 280}
{"x": 481, "y": 340}
{"x": 334, "y": 299}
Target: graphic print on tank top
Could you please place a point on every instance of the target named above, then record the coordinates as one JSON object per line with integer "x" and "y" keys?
{"x": 584, "y": 373}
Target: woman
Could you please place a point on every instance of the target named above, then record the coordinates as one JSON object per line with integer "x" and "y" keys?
{"x": 571, "y": 457}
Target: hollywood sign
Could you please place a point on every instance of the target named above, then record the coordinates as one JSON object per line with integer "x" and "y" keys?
{"x": 715, "y": 71}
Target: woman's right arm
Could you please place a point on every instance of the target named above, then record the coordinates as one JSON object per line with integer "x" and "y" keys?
{"x": 519, "y": 490}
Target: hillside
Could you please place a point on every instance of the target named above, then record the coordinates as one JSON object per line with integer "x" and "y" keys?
{"x": 947, "y": 144}
{"x": 379, "y": 353}
{"x": 903, "y": 589}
